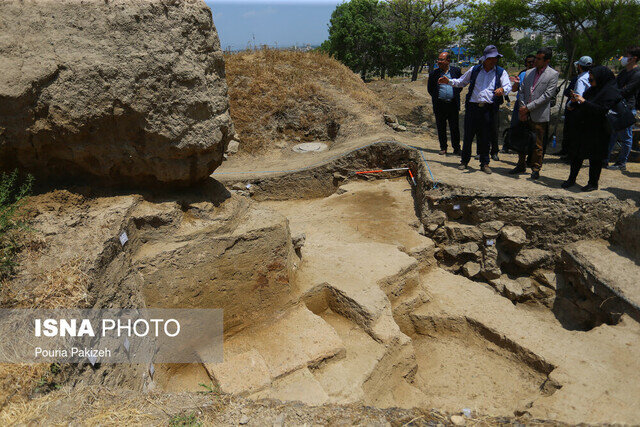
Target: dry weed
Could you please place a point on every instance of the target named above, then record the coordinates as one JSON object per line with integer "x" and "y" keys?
{"x": 91, "y": 406}
{"x": 17, "y": 382}
{"x": 64, "y": 287}
{"x": 289, "y": 95}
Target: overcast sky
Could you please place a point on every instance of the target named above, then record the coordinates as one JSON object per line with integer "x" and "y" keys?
{"x": 282, "y": 23}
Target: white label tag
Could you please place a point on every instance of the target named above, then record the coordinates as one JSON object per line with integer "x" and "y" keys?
{"x": 152, "y": 370}
{"x": 126, "y": 344}
{"x": 491, "y": 242}
{"x": 456, "y": 207}
{"x": 92, "y": 360}
{"x": 124, "y": 238}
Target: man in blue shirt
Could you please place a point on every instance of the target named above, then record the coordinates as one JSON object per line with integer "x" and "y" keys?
{"x": 446, "y": 103}
{"x": 489, "y": 84}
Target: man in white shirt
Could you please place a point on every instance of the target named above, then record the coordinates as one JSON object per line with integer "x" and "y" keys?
{"x": 489, "y": 84}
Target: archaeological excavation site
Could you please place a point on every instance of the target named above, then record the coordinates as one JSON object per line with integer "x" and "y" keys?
{"x": 420, "y": 295}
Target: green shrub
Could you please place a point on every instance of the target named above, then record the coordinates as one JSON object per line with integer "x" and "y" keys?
{"x": 12, "y": 219}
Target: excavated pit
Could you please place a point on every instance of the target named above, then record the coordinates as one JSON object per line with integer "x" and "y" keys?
{"x": 485, "y": 318}
{"x": 381, "y": 293}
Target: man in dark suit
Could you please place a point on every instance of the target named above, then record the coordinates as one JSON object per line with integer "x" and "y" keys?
{"x": 446, "y": 102}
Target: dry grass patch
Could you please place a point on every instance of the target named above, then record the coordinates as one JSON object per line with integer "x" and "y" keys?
{"x": 279, "y": 95}
{"x": 64, "y": 287}
{"x": 92, "y": 406}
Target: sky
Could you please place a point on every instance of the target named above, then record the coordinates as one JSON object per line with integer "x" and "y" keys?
{"x": 283, "y": 23}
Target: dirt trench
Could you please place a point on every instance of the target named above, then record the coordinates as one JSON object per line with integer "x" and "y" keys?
{"x": 427, "y": 300}
{"x": 379, "y": 292}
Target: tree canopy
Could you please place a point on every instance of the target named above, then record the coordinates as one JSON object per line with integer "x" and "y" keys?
{"x": 387, "y": 36}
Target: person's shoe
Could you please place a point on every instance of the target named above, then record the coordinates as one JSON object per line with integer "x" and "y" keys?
{"x": 495, "y": 157}
{"x": 567, "y": 184}
{"x": 463, "y": 166}
{"x": 457, "y": 152}
{"x": 486, "y": 169}
{"x": 589, "y": 187}
{"x": 442, "y": 152}
{"x": 618, "y": 167}
{"x": 535, "y": 175}
{"x": 517, "y": 170}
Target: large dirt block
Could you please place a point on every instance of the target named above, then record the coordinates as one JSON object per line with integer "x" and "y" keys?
{"x": 122, "y": 91}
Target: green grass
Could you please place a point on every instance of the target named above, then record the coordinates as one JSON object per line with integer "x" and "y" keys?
{"x": 12, "y": 219}
{"x": 184, "y": 420}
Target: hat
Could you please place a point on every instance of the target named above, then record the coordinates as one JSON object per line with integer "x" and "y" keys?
{"x": 585, "y": 61}
{"x": 490, "y": 52}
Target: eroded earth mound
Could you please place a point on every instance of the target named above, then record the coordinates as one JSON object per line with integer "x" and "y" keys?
{"x": 125, "y": 91}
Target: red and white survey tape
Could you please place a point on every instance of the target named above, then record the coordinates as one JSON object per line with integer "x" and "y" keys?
{"x": 389, "y": 170}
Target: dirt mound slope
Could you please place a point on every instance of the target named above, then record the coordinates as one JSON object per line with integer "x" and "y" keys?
{"x": 408, "y": 101}
{"x": 280, "y": 97}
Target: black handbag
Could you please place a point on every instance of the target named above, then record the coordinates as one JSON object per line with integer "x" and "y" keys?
{"x": 521, "y": 138}
{"x": 620, "y": 116}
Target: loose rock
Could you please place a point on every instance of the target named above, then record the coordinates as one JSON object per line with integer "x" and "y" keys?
{"x": 390, "y": 118}
{"x": 471, "y": 269}
{"x": 512, "y": 289}
{"x": 463, "y": 233}
{"x": 513, "y": 236}
{"x": 491, "y": 229}
{"x": 233, "y": 147}
{"x": 435, "y": 217}
{"x": 458, "y": 420}
{"x": 531, "y": 258}
{"x": 490, "y": 263}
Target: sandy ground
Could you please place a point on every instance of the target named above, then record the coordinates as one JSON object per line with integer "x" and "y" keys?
{"x": 458, "y": 365}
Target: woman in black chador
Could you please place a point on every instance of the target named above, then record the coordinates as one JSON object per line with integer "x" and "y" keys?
{"x": 592, "y": 127}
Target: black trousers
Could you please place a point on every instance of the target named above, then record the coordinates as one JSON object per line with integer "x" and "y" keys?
{"x": 478, "y": 121}
{"x": 447, "y": 112}
{"x": 595, "y": 168}
{"x": 569, "y": 145}
{"x": 495, "y": 132}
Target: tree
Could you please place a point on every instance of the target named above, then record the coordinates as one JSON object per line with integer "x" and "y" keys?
{"x": 492, "y": 22}
{"x": 422, "y": 25}
{"x": 357, "y": 37}
{"x": 598, "y": 28}
{"x": 528, "y": 45}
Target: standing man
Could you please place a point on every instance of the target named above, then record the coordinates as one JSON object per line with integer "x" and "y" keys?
{"x": 489, "y": 84}
{"x": 629, "y": 84}
{"x": 536, "y": 93}
{"x": 529, "y": 62}
{"x": 446, "y": 102}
